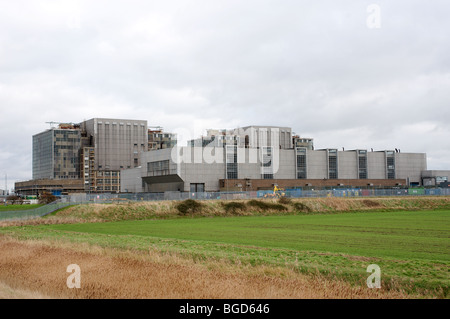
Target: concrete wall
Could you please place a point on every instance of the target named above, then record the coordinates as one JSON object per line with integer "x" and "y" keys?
{"x": 248, "y": 163}
{"x": 262, "y": 136}
{"x": 117, "y": 142}
{"x": 347, "y": 165}
{"x": 193, "y": 168}
{"x": 263, "y": 184}
{"x": 409, "y": 166}
{"x": 376, "y": 165}
{"x": 131, "y": 181}
{"x": 316, "y": 164}
{"x": 164, "y": 187}
{"x": 287, "y": 164}
{"x": 207, "y": 166}
{"x": 434, "y": 177}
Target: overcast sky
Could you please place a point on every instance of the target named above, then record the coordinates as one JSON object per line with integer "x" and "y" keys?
{"x": 346, "y": 73}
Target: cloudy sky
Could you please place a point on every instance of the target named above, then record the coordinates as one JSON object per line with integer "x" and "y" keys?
{"x": 353, "y": 74}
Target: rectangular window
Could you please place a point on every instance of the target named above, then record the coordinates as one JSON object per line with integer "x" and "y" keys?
{"x": 266, "y": 162}
{"x": 158, "y": 168}
{"x": 390, "y": 165}
{"x": 332, "y": 164}
{"x": 301, "y": 162}
{"x": 362, "y": 164}
{"x": 197, "y": 187}
{"x": 231, "y": 162}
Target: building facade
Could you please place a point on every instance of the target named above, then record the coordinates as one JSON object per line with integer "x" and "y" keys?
{"x": 436, "y": 178}
{"x": 254, "y": 158}
{"x": 158, "y": 139}
{"x": 113, "y": 145}
{"x": 56, "y": 154}
{"x": 93, "y": 153}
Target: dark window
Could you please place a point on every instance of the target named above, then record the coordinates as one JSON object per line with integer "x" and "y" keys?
{"x": 158, "y": 168}
{"x": 197, "y": 187}
{"x": 301, "y": 162}
{"x": 362, "y": 164}
{"x": 231, "y": 162}
{"x": 390, "y": 164}
{"x": 332, "y": 164}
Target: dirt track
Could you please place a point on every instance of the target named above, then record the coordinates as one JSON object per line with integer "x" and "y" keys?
{"x": 38, "y": 270}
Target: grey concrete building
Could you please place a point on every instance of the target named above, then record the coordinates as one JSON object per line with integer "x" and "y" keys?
{"x": 435, "y": 177}
{"x": 93, "y": 152}
{"x": 117, "y": 142}
{"x": 158, "y": 139}
{"x": 263, "y": 153}
{"x": 114, "y": 145}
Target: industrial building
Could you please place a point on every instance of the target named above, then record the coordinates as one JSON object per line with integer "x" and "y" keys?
{"x": 91, "y": 154}
{"x": 104, "y": 155}
{"x": 56, "y": 153}
{"x": 259, "y": 157}
{"x": 438, "y": 178}
{"x": 158, "y": 139}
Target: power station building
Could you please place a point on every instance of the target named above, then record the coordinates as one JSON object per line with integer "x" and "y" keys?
{"x": 104, "y": 155}
{"x": 259, "y": 157}
{"x": 85, "y": 157}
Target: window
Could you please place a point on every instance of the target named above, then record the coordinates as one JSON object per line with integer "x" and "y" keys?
{"x": 390, "y": 165}
{"x": 362, "y": 164}
{"x": 266, "y": 162}
{"x": 197, "y": 187}
{"x": 158, "y": 168}
{"x": 332, "y": 164}
{"x": 301, "y": 162}
{"x": 231, "y": 162}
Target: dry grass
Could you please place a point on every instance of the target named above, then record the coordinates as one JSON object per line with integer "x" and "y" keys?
{"x": 168, "y": 209}
{"x": 37, "y": 269}
{"x": 7, "y": 292}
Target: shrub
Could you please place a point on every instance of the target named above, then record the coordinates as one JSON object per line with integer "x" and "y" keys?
{"x": 266, "y": 205}
{"x": 47, "y": 198}
{"x": 370, "y": 203}
{"x": 189, "y": 206}
{"x": 302, "y": 207}
{"x": 234, "y": 207}
{"x": 284, "y": 200}
{"x": 14, "y": 199}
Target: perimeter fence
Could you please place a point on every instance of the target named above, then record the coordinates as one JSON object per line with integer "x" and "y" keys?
{"x": 76, "y": 199}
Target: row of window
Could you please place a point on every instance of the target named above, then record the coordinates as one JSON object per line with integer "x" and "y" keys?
{"x": 333, "y": 164}
{"x": 302, "y": 166}
{"x": 162, "y": 167}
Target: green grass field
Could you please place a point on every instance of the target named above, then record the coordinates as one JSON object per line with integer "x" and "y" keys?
{"x": 418, "y": 234}
{"x": 14, "y": 207}
{"x": 412, "y": 248}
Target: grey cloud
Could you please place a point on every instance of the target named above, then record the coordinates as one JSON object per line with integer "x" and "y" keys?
{"x": 314, "y": 66}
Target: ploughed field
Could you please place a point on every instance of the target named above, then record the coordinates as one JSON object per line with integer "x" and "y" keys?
{"x": 411, "y": 247}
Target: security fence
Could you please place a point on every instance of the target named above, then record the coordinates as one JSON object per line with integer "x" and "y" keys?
{"x": 33, "y": 213}
{"x": 292, "y": 193}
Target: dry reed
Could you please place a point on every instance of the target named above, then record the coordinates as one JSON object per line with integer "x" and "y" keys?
{"x": 39, "y": 268}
